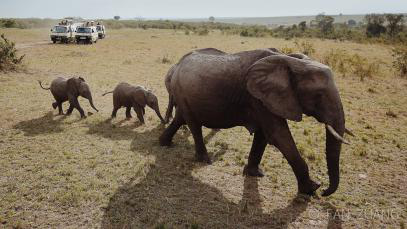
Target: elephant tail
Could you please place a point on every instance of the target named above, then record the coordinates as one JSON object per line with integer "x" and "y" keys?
{"x": 107, "y": 93}
{"x": 171, "y": 104}
{"x": 39, "y": 81}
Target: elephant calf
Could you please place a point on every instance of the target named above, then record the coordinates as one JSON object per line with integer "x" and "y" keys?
{"x": 68, "y": 90}
{"x": 126, "y": 95}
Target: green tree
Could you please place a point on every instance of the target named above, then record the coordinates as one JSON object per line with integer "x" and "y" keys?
{"x": 395, "y": 23}
{"x": 302, "y": 25}
{"x": 351, "y": 23}
{"x": 375, "y": 25}
{"x": 325, "y": 23}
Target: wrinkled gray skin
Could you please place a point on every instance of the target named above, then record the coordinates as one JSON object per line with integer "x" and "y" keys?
{"x": 68, "y": 90}
{"x": 260, "y": 90}
{"x": 136, "y": 97}
{"x": 168, "y": 77}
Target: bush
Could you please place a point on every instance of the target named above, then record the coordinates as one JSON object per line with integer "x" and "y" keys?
{"x": 358, "y": 66}
{"x": 203, "y": 31}
{"x": 336, "y": 59}
{"x": 362, "y": 68}
{"x": 287, "y": 50}
{"x": 254, "y": 31}
{"x": 400, "y": 60}
{"x": 9, "y": 61}
{"x": 305, "y": 47}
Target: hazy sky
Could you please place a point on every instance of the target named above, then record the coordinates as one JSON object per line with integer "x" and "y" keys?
{"x": 193, "y": 8}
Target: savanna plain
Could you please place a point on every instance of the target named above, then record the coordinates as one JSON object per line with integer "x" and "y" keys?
{"x": 67, "y": 172}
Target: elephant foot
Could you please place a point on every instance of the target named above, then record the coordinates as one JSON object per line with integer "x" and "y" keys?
{"x": 309, "y": 188}
{"x": 54, "y": 105}
{"x": 204, "y": 158}
{"x": 253, "y": 171}
{"x": 164, "y": 141}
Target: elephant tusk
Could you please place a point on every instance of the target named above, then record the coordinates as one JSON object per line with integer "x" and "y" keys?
{"x": 349, "y": 132}
{"x": 335, "y": 134}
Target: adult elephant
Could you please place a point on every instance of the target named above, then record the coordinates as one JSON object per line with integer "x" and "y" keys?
{"x": 260, "y": 90}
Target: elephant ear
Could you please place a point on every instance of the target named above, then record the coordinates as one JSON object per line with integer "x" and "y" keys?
{"x": 73, "y": 86}
{"x": 271, "y": 81}
{"x": 140, "y": 96}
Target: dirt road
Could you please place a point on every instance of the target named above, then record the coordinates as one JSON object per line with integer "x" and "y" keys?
{"x": 30, "y": 45}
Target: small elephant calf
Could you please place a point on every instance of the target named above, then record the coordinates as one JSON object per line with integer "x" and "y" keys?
{"x": 68, "y": 90}
{"x": 126, "y": 95}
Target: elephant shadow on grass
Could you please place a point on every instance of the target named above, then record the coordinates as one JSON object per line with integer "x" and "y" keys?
{"x": 114, "y": 131}
{"x": 170, "y": 196}
{"x": 47, "y": 124}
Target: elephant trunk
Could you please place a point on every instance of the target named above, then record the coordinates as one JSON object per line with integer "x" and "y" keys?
{"x": 334, "y": 134}
{"x": 157, "y": 111}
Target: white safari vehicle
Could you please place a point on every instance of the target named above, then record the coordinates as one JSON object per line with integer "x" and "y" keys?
{"x": 101, "y": 30}
{"x": 64, "y": 32}
{"x": 87, "y": 33}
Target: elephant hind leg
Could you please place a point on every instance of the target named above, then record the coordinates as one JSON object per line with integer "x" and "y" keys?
{"x": 200, "y": 149}
{"x": 70, "y": 109}
{"x": 169, "y": 132}
{"x": 196, "y": 130}
{"x": 114, "y": 112}
{"x": 128, "y": 112}
{"x": 60, "y": 111}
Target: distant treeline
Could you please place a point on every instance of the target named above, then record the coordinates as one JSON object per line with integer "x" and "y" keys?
{"x": 386, "y": 28}
{"x": 27, "y": 23}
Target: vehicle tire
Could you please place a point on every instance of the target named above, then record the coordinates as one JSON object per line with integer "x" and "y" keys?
{"x": 54, "y": 41}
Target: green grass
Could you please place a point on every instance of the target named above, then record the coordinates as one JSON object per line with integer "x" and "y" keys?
{"x": 58, "y": 171}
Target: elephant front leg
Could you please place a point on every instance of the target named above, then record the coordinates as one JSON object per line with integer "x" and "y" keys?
{"x": 281, "y": 137}
{"x": 139, "y": 113}
{"x": 256, "y": 153}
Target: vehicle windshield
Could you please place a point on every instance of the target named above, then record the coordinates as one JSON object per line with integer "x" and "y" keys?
{"x": 99, "y": 28}
{"x": 84, "y": 30}
{"x": 60, "y": 29}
